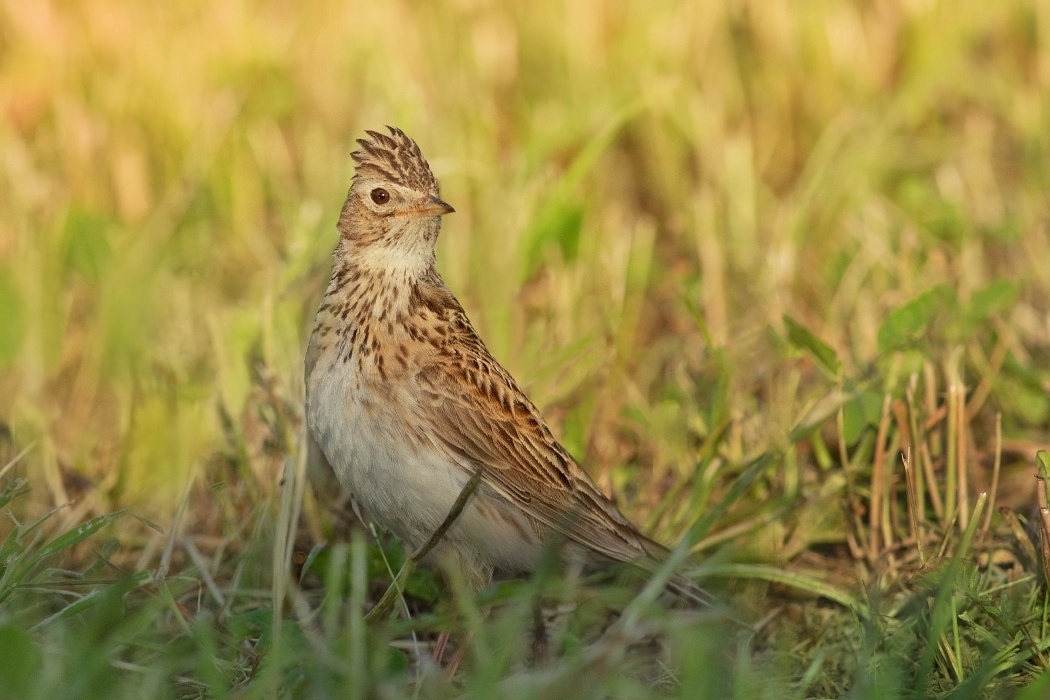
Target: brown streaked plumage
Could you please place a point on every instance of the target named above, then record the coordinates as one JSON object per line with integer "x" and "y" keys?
{"x": 405, "y": 401}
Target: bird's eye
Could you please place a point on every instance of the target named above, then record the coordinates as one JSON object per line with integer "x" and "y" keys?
{"x": 380, "y": 196}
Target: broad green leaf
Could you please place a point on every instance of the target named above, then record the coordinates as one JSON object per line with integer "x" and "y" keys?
{"x": 863, "y": 411}
{"x": 993, "y": 299}
{"x": 1026, "y": 374}
{"x": 905, "y": 324}
{"x": 258, "y": 624}
{"x": 802, "y": 337}
{"x": 1028, "y": 405}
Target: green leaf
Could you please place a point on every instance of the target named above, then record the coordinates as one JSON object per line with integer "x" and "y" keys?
{"x": 904, "y": 325}
{"x": 108, "y": 549}
{"x": 560, "y": 219}
{"x": 251, "y": 624}
{"x": 311, "y": 558}
{"x": 1042, "y": 465}
{"x": 387, "y": 554}
{"x": 13, "y": 489}
{"x": 801, "y": 337}
{"x": 559, "y": 223}
{"x": 85, "y": 245}
{"x": 79, "y": 534}
{"x": 862, "y": 412}
{"x": 1042, "y": 457}
{"x": 738, "y": 488}
{"x": 1029, "y": 406}
{"x": 788, "y": 578}
{"x": 822, "y": 411}
{"x": 20, "y": 664}
{"x": 423, "y": 584}
{"x": 1024, "y": 373}
{"x": 98, "y": 596}
{"x": 993, "y": 299}
{"x": 396, "y": 661}
{"x": 258, "y": 624}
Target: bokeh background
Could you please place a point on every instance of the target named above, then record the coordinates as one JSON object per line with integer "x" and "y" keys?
{"x": 696, "y": 232}
{"x": 643, "y": 191}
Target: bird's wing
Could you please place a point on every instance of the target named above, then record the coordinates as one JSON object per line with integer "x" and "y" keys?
{"x": 478, "y": 413}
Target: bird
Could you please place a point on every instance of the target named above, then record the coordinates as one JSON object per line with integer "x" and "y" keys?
{"x": 407, "y": 404}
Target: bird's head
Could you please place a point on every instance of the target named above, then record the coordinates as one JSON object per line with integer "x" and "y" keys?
{"x": 394, "y": 206}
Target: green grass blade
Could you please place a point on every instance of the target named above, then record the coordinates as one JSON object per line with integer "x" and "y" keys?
{"x": 793, "y": 579}
{"x": 79, "y": 533}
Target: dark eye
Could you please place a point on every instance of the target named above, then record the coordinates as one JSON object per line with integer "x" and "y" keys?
{"x": 380, "y": 196}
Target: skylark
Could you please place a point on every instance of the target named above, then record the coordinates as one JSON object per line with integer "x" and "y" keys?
{"x": 406, "y": 403}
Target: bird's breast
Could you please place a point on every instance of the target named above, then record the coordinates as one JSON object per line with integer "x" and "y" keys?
{"x": 386, "y": 452}
{"x": 371, "y": 432}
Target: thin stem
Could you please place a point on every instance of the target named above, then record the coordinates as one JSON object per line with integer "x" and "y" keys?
{"x": 393, "y": 592}
{"x": 995, "y": 473}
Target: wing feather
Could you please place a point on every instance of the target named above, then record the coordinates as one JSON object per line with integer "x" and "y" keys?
{"x": 478, "y": 413}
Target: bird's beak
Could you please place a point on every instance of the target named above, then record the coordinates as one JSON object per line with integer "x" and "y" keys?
{"x": 432, "y": 206}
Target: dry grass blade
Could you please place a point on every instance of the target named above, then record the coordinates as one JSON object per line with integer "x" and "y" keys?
{"x": 1024, "y": 542}
{"x": 961, "y": 434}
{"x": 876, "y": 529}
{"x": 951, "y": 469}
{"x": 913, "y": 506}
{"x": 966, "y": 541}
{"x": 936, "y": 501}
{"x": 204, "y": 570}
{"x": 1043, "y": 459}
{"x": 17, "y": 458}
{"x": 916, "y": 451}
{"x": 990, "y": 372}
{"x": 995, "y": 472}
{"x": 857, "y": 531}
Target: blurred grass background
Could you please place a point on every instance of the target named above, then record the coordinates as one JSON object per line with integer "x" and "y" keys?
{"x": 643, "y": 191}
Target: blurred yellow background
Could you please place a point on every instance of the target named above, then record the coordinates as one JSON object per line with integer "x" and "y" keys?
{"x": 642, "y": 189}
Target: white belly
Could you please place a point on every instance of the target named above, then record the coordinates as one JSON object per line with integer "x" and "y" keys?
{"x": 405, "y": 481}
